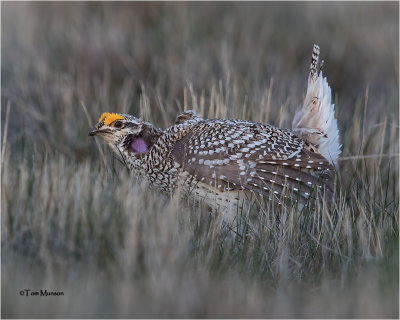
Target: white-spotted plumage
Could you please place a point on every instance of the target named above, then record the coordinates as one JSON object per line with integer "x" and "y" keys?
{"x": 236, "y": 166}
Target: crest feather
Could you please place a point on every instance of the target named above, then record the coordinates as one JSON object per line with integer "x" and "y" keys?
{"x": 110, "y": 117}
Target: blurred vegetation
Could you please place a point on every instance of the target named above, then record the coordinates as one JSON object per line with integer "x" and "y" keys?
{"x": 72, "y": 223}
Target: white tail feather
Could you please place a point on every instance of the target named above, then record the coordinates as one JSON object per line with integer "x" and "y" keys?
{"x": 315, "y": 121}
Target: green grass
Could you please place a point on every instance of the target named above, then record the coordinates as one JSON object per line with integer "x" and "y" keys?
{"x": 77, "y": 222}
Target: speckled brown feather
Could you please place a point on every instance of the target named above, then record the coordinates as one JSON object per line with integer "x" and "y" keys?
{"x": 241, "y": 155}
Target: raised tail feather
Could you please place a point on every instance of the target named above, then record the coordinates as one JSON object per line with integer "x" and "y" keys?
{"x": 315, "y": 120}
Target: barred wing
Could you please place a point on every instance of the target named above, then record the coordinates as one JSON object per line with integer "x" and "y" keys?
{"x": 242, "y": 155}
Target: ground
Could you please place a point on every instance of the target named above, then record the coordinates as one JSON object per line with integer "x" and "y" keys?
{"x": 75, "y": 221}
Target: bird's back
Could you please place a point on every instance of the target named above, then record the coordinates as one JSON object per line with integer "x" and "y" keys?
{"x": 219, "y": 156}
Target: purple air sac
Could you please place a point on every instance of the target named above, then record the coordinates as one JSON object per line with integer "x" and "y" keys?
{"x": 139, "y": 145}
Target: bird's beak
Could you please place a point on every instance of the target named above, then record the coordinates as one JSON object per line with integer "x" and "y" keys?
{"x": 94, "y": 130}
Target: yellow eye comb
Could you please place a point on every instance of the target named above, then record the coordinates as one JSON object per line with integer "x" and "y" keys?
{"x": 110, "y": 118}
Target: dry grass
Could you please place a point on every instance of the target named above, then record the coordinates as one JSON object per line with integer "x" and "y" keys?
{"x": 72, "y": 222}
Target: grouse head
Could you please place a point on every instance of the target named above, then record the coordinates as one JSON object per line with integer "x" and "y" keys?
{"x": 125, "y": 133}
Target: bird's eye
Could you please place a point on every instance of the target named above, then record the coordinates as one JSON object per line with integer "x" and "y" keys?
{"x": 118, "y": 124}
